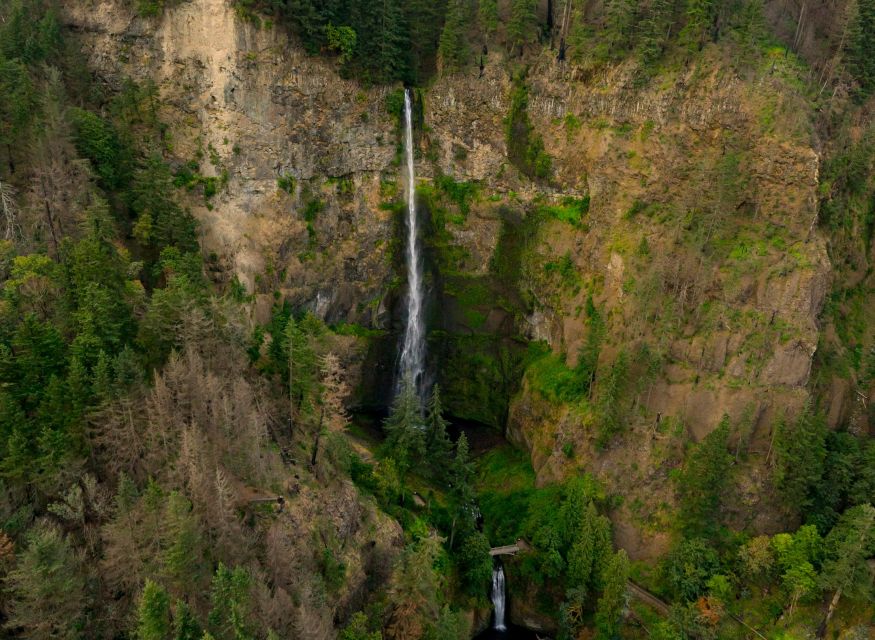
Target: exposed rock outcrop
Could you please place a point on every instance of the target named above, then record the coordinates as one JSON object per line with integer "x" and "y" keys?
{"x": 700, "y": 239}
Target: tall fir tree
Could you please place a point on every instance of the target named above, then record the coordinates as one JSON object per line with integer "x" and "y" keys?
{"x": 453, "y": 49}
{"x": 153, "y": 613}
{"x": 438, "y": 447}
{"x": 800, "y": 451}
{"x": 522, "y": 28}
{"x": 487, "y": 16}
{"x": 860, "y": 48}
{"x": 616, "y": 37}
{"x": 405, "y": 439}
{"x": 700, "y": 16}
{"x": 701, "y": 483}
{"x": 613, "y": 600}
{"x": 654, "y": 31}
{"x": 849, "y": 546}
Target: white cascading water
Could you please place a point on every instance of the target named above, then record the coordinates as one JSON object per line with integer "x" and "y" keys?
{"x": 412, "y": 365}
{"x": 498, "y": 597}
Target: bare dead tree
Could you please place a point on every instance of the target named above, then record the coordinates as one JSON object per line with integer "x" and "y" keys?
{"x": 9, "y": 208}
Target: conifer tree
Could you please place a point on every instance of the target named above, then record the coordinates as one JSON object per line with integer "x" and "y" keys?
{"x": 414, "y": 590}
{"x": 301, "y": 362}
{"x": 699, "y": 21}
{"x": 161, "y": 222}
{"x": 800, "y": 451}
{"x": 613, "y": 600}
{"x": 333, "y": 415}
{"x": 231, "y": 603}
{"x": 654, "y": 31}
{"x": 461, "y": 481}
{"x": 183, "y": 555}
{"x": 522, "y": 28}
{"x": 701, "y": 483}
{"x": 487, "y": 14}
{"x": 185, "y": 625}
{"x": 453, "y": 48}
{"x": 405, "y": 441}
{"x": 153, "y": 613}
{"x": 846, "y": 570}
{"x": 438, "y": 447}
{"x": 860, "y": 49}
{"x": 590, "y": 551}
{"x": 462, "y": 473}
{"x": 616, "y": 37}
{"x": 46, "y": 588}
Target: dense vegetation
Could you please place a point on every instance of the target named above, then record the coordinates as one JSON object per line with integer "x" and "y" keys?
{"x": 146, "y": 427}
{"x": 146, "y": 431}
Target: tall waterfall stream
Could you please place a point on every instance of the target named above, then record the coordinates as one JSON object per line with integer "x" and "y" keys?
{"x": 498, "y": 597}
{"x": 412, "y": 364}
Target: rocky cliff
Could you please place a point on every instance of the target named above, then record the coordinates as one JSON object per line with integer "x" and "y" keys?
{"x": 682, "y": 212}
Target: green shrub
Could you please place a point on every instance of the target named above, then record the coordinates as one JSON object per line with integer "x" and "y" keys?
{"x": 525, "y": 148}
{"x": 287, "y": 183}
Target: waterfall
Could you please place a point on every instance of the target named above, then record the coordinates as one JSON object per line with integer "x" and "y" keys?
{"x": 498, "y": 596}
{"x": 412, "y": 365}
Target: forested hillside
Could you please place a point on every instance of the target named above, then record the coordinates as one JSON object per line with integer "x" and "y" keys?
{"x": 648, "y": 234}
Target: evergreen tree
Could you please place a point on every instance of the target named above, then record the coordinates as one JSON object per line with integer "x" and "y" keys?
{"x": 461, "y": 475}
{"x": 102, "y": 384}
{"x": 588, "y": 358}
{"x": 161, "y": 222}
{"x": 405, "y": 441}
{"x": 153, "y": 613}
{"x": 613, "y": 600}
{"x": 231, "y": 603}
{"x": 185, "y": 625}
{"x": 438, "y": 447}
{"x": 701, "y": 483}
{"x": 357, "y": 629}
{"x": 688, "y": 567}
{"x": 425, "y": 19}
{"x": 522, "y": 28}
{"x": 849, "y": 545}
{"x": 700, "y": 16}
{"x": 98, "y": 140}
{"x": 799, "y": 458}
{"x": 616, "y": 37}
{"x": 46, "y": 588}
{"x": 384, "y": 44}
{"x": 654, "y": 31}
{"x": 453, "y": 48}
{"x": 751, "y": 30}
{"x": 414, "y": 590}
{"x": 309, "y": 23}
{"x": 18, "y": 107}
{"x": 589, "y": 552}
{"x": 301, "y": 370}
{"x": 183, "y": 555}
{"x": 609, "y": 399}
{"x": 450, "y": 625}
{"x": 487, "y": 14}
{"x": 475, "y": 563}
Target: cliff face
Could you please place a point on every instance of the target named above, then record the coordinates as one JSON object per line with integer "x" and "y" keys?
{"x": 698, "y": 245}
{"x": 700, "y": 242}
{"x": 241, "y": 100}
